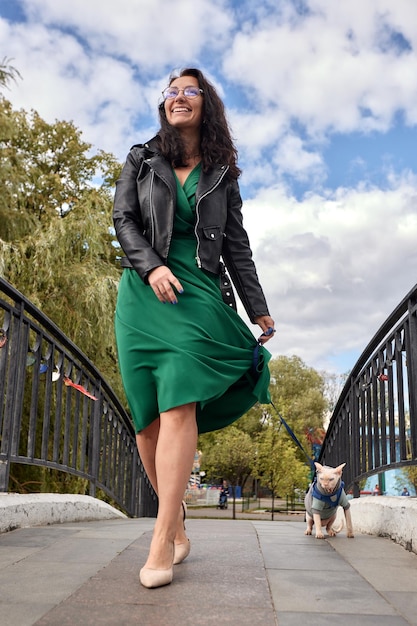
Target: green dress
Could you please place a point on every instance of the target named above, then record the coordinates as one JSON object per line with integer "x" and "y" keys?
{"x": 198, "y": 350}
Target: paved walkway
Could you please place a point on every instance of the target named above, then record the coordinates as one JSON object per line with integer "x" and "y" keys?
{"x": 243, "y": 572}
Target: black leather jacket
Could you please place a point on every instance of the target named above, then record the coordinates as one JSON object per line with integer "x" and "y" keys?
{"x": 144, "y": 208}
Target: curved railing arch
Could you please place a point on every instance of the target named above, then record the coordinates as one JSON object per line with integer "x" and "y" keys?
{"x": 57, "y": 411}
{"x": 374, "y": 423}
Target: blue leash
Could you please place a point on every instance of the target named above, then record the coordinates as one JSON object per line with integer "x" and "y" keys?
{"x": 294, "y": 437}
{"x": 256, "y": 365}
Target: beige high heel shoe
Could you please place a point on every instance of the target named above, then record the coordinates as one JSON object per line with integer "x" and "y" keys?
{"x": 152, "y": 578}
{"x": 182, "y": 550}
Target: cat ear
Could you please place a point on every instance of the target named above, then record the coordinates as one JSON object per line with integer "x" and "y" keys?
{"x": 339, "y": 468}
{"x": 319, "y": 467}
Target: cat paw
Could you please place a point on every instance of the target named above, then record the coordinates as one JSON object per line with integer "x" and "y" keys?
{"x": 319, "y": 536}
{"x": 350, "y": 535}
{"x": 331, "y": 533}
{"x": 307, "y": 531}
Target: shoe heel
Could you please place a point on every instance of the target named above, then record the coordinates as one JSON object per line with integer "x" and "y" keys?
{"x": 181, "y": 551}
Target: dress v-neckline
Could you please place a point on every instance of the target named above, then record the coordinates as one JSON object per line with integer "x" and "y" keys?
{"x": 188, "y": 175}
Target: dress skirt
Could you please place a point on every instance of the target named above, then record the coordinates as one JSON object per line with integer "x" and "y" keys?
{"x": 199, "y": 350}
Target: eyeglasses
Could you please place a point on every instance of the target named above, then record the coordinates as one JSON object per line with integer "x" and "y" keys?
{"x": 189, "y": 92}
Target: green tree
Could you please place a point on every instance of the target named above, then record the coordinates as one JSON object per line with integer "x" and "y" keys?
{"x": 410, "y": 472}
{"x": 8, "y": 72}
{"x": 277, "y": 464}
{"x": 297, "y": 392}
{"x": 56, "y": 240}
{"x": 230, "y": 457}
{"x": 250, "y": 423}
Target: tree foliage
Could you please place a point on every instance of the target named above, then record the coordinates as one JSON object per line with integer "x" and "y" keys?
{"x": 230, "y": 457}
{"x": 8, "y": 72}
{"x": 297, "y": 392}
{"x": 410, "y": 471}
{"x": 56, "y": 240}
{"x": 277, "y": 464}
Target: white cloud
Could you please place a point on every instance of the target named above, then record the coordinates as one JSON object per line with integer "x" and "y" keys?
{"x": 149, "y": 34}
{"x": 292, "y": 157}
{"x": 329, "y": 70}
{"x": 334, "y": 266}
{"x": 61, "y": 80}
{"x": 258, "y": 130}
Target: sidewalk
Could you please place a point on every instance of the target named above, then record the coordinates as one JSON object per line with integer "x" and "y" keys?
{"x": 255, "y": 515}
{"x": 238, "y": 573}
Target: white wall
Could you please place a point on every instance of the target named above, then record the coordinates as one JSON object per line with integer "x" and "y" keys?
{"x": 387, "y": 516}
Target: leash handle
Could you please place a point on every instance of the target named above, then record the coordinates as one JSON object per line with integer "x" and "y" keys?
{"x": 267, "y": 333}
{"x": 256, "y": 366}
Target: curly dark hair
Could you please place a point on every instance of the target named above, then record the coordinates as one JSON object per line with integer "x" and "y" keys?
{"x": 216, "y": 143}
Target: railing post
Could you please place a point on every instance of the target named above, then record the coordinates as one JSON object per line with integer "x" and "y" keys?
{"x": 412, "y": 373}
{"x": 135, "y": 478}
{"x": 95, "y": 443}
{"x": 355, "y": 434}
{"x": 4, "y": 475}
{"x": 12, "y": 393}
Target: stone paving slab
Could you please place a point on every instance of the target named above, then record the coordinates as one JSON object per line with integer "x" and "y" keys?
{"x": 311, "y": 583}
{"x": 395, "y": 579}
{"x": 238, "y": 573}
{"x": 35, "y": 576}
{"x": 222, "y": 581}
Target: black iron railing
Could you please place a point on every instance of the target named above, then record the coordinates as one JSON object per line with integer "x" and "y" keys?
{"x": 57, "y": 411}
{"x": 374, "y": 424}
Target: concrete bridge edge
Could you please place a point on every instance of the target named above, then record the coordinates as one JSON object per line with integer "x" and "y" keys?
{"x": 40, "y": 509}
{"x": 387, "y": 516}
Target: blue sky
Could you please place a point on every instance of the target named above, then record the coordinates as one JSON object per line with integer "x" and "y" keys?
{"x": 322, "y": 100}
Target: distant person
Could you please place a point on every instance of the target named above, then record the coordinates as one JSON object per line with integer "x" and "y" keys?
{"x": 224, "y": 493}
{"x": 376, "y": 491}
{"x": 405, "y": 492}
{"x": 186, "y": 357}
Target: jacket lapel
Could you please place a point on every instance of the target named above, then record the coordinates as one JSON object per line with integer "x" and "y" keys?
{"x": 209, "y": 180}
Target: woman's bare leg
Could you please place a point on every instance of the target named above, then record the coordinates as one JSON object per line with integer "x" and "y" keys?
{"x": 146, "y": 442}
{"x": 173, "y": 444}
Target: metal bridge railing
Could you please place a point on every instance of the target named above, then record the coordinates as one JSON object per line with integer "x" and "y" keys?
{"x": 57, "y": 411}
{"x": 374, "y": 424}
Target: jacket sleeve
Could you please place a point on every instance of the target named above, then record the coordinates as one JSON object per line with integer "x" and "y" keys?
{"x": 237, "y": 256}
{"x": 128, "y": 222}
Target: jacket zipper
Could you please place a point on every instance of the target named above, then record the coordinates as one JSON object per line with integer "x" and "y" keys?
{"x": 197, "y": 214}
{"x": 151, "y": 206}
{"x": 151, "y": 210}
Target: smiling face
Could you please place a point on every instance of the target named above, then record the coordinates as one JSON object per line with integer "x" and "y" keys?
{"x": 181, "y": 112}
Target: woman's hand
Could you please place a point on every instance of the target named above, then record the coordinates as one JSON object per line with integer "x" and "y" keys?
{"x": 268, "y": 326}
{"x": 162, "y": 281}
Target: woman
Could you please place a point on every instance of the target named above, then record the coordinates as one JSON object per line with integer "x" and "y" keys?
{"x": 187, "y": 367}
